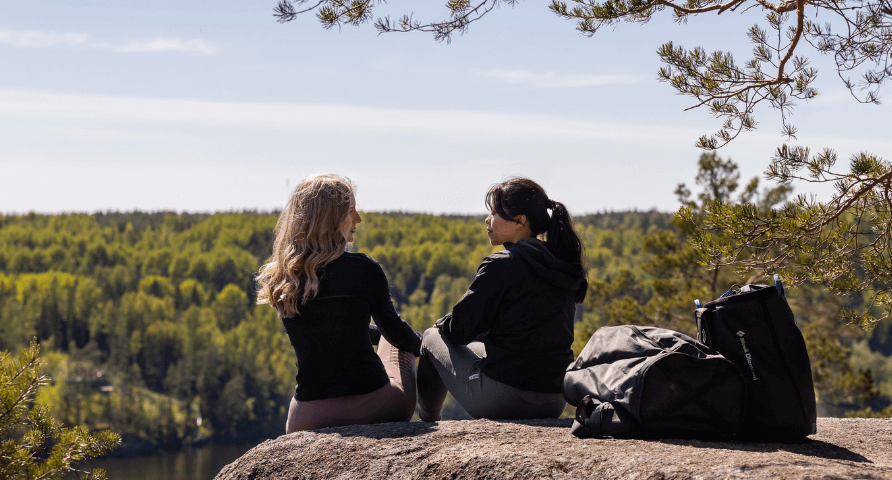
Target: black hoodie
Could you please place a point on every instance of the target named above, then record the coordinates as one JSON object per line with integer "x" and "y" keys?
{"x": 523, "y": 301}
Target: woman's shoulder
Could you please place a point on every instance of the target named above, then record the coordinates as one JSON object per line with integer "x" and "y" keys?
{"x": 357, "y": 257}
{"x": 360, "y": 261}
{"x": 501, "y": 260}
{"x": 515, "y": 251}
{"x": 500, "y": 256}
{"x": 515, "y": 256}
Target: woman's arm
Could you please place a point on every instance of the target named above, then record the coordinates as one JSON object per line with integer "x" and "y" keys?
{"x": 374, "y": 334}
{"x": 397, "y": 332}
{"x": 476, "y": 311}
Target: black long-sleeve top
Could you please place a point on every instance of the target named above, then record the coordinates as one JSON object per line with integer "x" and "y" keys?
{"x": 523, "y": 300}
{"x": 330, "y": 336}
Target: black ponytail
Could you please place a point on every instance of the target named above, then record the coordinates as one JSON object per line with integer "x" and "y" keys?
{"x": 522, "y": 196}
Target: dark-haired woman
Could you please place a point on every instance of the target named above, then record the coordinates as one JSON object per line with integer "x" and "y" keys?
{"x": 520, "y": 307}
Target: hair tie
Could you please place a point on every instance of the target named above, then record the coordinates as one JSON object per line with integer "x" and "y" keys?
{"x": 552, "y": 204}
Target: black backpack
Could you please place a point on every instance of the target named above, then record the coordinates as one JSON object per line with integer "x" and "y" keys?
{"x": 630, "y": 381}
{"x": 754, "y": 327}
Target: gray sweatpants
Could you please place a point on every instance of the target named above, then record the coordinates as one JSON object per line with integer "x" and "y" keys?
{"x": 444, "y": 365}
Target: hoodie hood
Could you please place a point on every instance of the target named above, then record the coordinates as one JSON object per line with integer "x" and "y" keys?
{"x": 568, "y": 276}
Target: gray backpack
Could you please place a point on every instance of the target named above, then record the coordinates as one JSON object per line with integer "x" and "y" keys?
{"x": 636, "y": 380}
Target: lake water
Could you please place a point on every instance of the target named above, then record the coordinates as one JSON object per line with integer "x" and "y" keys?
{"x": 203, "y": 463}
{"x": 191, "y": 463}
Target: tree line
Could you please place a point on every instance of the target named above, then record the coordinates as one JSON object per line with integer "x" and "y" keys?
{"x": 148, "y": 326}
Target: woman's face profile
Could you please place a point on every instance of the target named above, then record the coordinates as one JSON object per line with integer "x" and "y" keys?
{"x": 348, "y": 226}
{"x": 501, "y": 231}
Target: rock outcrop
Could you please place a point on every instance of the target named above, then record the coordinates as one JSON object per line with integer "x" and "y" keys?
{"x": 484, "y": 449}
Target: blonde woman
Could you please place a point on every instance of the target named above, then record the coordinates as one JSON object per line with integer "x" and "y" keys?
{"x": 325, "y": 297}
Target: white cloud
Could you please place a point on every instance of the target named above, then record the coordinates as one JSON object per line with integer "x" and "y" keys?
{"x": 40, "y": 39}
{"x": 553, "y": 80}
{"x": 107, "y": 115}
{"x": 168, "y": 44}
{"x": 128, "y": 113}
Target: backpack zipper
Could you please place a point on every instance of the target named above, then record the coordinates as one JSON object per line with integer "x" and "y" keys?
{"x": 644, "y": 336}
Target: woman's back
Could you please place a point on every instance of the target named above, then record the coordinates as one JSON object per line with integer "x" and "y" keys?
{"x": 524, "y": 300}
{"x": 330, "y": 336}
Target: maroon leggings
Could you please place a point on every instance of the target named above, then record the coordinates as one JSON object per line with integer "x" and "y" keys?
{"x": 394, "y": 402}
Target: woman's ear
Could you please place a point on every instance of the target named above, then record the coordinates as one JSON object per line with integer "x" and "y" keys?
{"x": 524, "y": 227}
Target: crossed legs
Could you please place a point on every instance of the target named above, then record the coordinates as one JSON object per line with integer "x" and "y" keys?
{"x": 394, "y": 402}
{"x": 446, "y": 366}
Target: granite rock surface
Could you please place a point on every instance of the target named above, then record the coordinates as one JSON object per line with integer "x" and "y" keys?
{"x": 545, "y": 449}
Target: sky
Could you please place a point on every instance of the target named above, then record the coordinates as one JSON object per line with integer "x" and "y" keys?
{"x": 207, "y": 106}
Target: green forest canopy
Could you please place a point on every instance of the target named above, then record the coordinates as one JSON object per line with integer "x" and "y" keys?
{"x": 148, "y": 326}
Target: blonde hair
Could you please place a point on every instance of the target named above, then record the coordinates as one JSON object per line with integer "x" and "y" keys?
{"x": 308, "y": 236}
